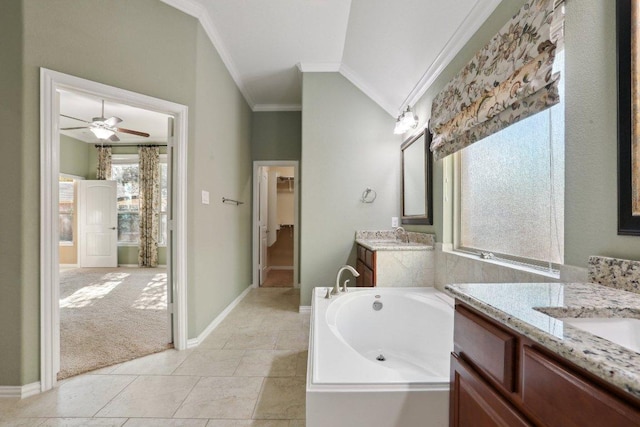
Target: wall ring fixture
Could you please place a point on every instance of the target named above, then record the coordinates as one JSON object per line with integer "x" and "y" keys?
{"x": 368, "y": 195}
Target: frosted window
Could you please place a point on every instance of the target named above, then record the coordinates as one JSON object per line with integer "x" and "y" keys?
{"x": 512, "y": 188}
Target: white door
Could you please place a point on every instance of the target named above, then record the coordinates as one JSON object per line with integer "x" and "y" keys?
{"x": 263, "y": 223}
{"x": 97, "y": 224}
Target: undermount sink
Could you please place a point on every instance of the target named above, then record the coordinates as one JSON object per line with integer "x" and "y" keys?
{"x": 623, "y": 331}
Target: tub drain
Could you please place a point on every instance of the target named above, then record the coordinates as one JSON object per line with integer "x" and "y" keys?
{"x": 381, "y": 358}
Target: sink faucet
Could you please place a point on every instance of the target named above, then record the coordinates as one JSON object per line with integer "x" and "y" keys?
{"x": 336, "y": 289}
{"x": 403, "y": 232}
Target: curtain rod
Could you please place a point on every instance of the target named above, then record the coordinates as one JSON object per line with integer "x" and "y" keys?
{"x": 154, "y": 144}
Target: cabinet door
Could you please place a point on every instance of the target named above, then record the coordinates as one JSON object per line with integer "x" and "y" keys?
{"x": 360, "y": 268}
{"x": 474, "y": 403}
{"x": 368, "y": 278}
{"x": 560, "y": 398}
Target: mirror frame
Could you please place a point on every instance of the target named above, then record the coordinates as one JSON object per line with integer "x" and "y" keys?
{"x": 427, "y": 218}
{"x": 628, "y": 40}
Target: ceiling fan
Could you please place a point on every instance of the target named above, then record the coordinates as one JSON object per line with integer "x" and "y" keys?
{"x": 105, "y": 129}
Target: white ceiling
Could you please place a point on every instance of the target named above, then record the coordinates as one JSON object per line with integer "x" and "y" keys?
{"x": 391, "y": 49}
{"x": 86, "y": 107}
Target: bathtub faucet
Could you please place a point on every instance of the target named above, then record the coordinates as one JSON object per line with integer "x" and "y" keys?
{"x": 336, "y": 289}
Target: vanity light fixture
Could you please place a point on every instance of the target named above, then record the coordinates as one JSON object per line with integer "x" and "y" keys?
{"x": 407, "y": 120}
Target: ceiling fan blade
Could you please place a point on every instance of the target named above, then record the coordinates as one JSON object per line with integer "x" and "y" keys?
{"x": 114, "y": 138}
{"x": 74, "y": 118}
{"x": 112, "y": 121}
{"x": 133, "y": 132}
{"x": 82, "y": 127}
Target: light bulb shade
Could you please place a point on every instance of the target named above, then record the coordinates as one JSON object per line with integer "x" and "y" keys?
{"x": 102, "y": 133}
{"x": 409, "y": 119}
{"x": 400, "y": 127}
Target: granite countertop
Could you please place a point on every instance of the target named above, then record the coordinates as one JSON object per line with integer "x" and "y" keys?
{"x": 387, "y": 240}
{"x": 532, "y": 308}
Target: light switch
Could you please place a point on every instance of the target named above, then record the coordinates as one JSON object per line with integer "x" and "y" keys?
{"x": 205, "y": 197}
{"x": 394, "y": 221}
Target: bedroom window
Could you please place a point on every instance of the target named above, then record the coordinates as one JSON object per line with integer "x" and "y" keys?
{"x": 125, "y": 171}
{"x": 66, "y": 211}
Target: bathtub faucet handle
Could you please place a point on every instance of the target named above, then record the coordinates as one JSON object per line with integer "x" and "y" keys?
{"x": 344, "y": 286}
{"x": 353, "y": 271}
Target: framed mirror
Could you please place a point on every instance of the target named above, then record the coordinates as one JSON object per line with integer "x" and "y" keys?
{"x": 628, "y": 43}
{"x": 417, "y": 180}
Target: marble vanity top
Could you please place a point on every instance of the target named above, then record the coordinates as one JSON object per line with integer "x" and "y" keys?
{"x": 387, "y": 240}
{"x": 532, "y": 309}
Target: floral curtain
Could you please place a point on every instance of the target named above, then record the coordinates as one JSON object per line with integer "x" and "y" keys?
{"x": 149, "y": 185}
{"x": 508, "y": 80}
{"x": 103, "y": 171}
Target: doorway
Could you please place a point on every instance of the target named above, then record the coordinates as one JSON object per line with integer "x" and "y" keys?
{"x": 52, "y": 85}
{"x": 275, "y": 224}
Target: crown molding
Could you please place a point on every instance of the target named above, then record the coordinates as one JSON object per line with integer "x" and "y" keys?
{"x": 467, "y": 28}
{"x": 196, "y": 10}
{"x": 359, "y": 82}
{"x": 276, "y": 107}
{"x": 319, "y": 67}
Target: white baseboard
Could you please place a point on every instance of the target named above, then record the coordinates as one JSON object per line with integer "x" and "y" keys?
{"x": 20, "y": 391}
{"x": 304, "y": 309}
{"x": 194, "y": 342}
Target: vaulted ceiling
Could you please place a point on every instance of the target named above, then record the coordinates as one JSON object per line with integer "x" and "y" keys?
{"x": 391, "y": 49}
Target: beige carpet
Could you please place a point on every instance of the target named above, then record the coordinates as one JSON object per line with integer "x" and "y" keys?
{"x": 108, "y": 316}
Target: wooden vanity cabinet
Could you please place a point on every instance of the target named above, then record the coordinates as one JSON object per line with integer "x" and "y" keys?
{"x": 366, "y": 267}
{"x": 502, "y": 378}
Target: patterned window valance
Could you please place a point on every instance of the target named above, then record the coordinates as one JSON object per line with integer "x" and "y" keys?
{"x": 508, "y": 80}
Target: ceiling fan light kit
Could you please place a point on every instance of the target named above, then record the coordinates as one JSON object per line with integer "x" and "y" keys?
{"x": 105, "y": 129}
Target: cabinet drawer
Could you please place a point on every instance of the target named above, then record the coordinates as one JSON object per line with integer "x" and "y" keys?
{"x": 475, "y": 404}
{"x": 558, "y": 397}
{"x": 490, "y": 349}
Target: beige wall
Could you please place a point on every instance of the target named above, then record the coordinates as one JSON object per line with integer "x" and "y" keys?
{"x": 152, "y": 49}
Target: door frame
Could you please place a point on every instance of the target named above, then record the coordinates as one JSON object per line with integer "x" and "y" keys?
{"x": 50, "y": 83}
{"x": 296, "y": 217}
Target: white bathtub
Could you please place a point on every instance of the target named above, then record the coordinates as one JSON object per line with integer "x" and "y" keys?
{"x": 346, "y": 384}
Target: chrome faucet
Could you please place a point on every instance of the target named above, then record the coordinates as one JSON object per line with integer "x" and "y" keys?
{"x": 403, "y": 233}
{"x": 336, "y": 289}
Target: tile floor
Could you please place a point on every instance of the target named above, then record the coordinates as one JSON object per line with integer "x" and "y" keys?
{"x": 249, "y": 372}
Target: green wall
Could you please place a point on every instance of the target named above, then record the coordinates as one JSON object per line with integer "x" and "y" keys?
{"x": 12, "y": 306}
{"x": 276, "y": 135}
{"x": 591, "y": 204}
{"x": 74, "y": 156}
{"x": 347, "y": 145}
{"x": 590, "y": 132}
{"x": 153, "y": 49}
{"x": 220, "y": 234}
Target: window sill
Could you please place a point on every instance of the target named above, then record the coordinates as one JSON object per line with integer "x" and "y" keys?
{"x": 135, "y": 245}
{"x": 67, "y": 244}
{"x": 522, "y": 268}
